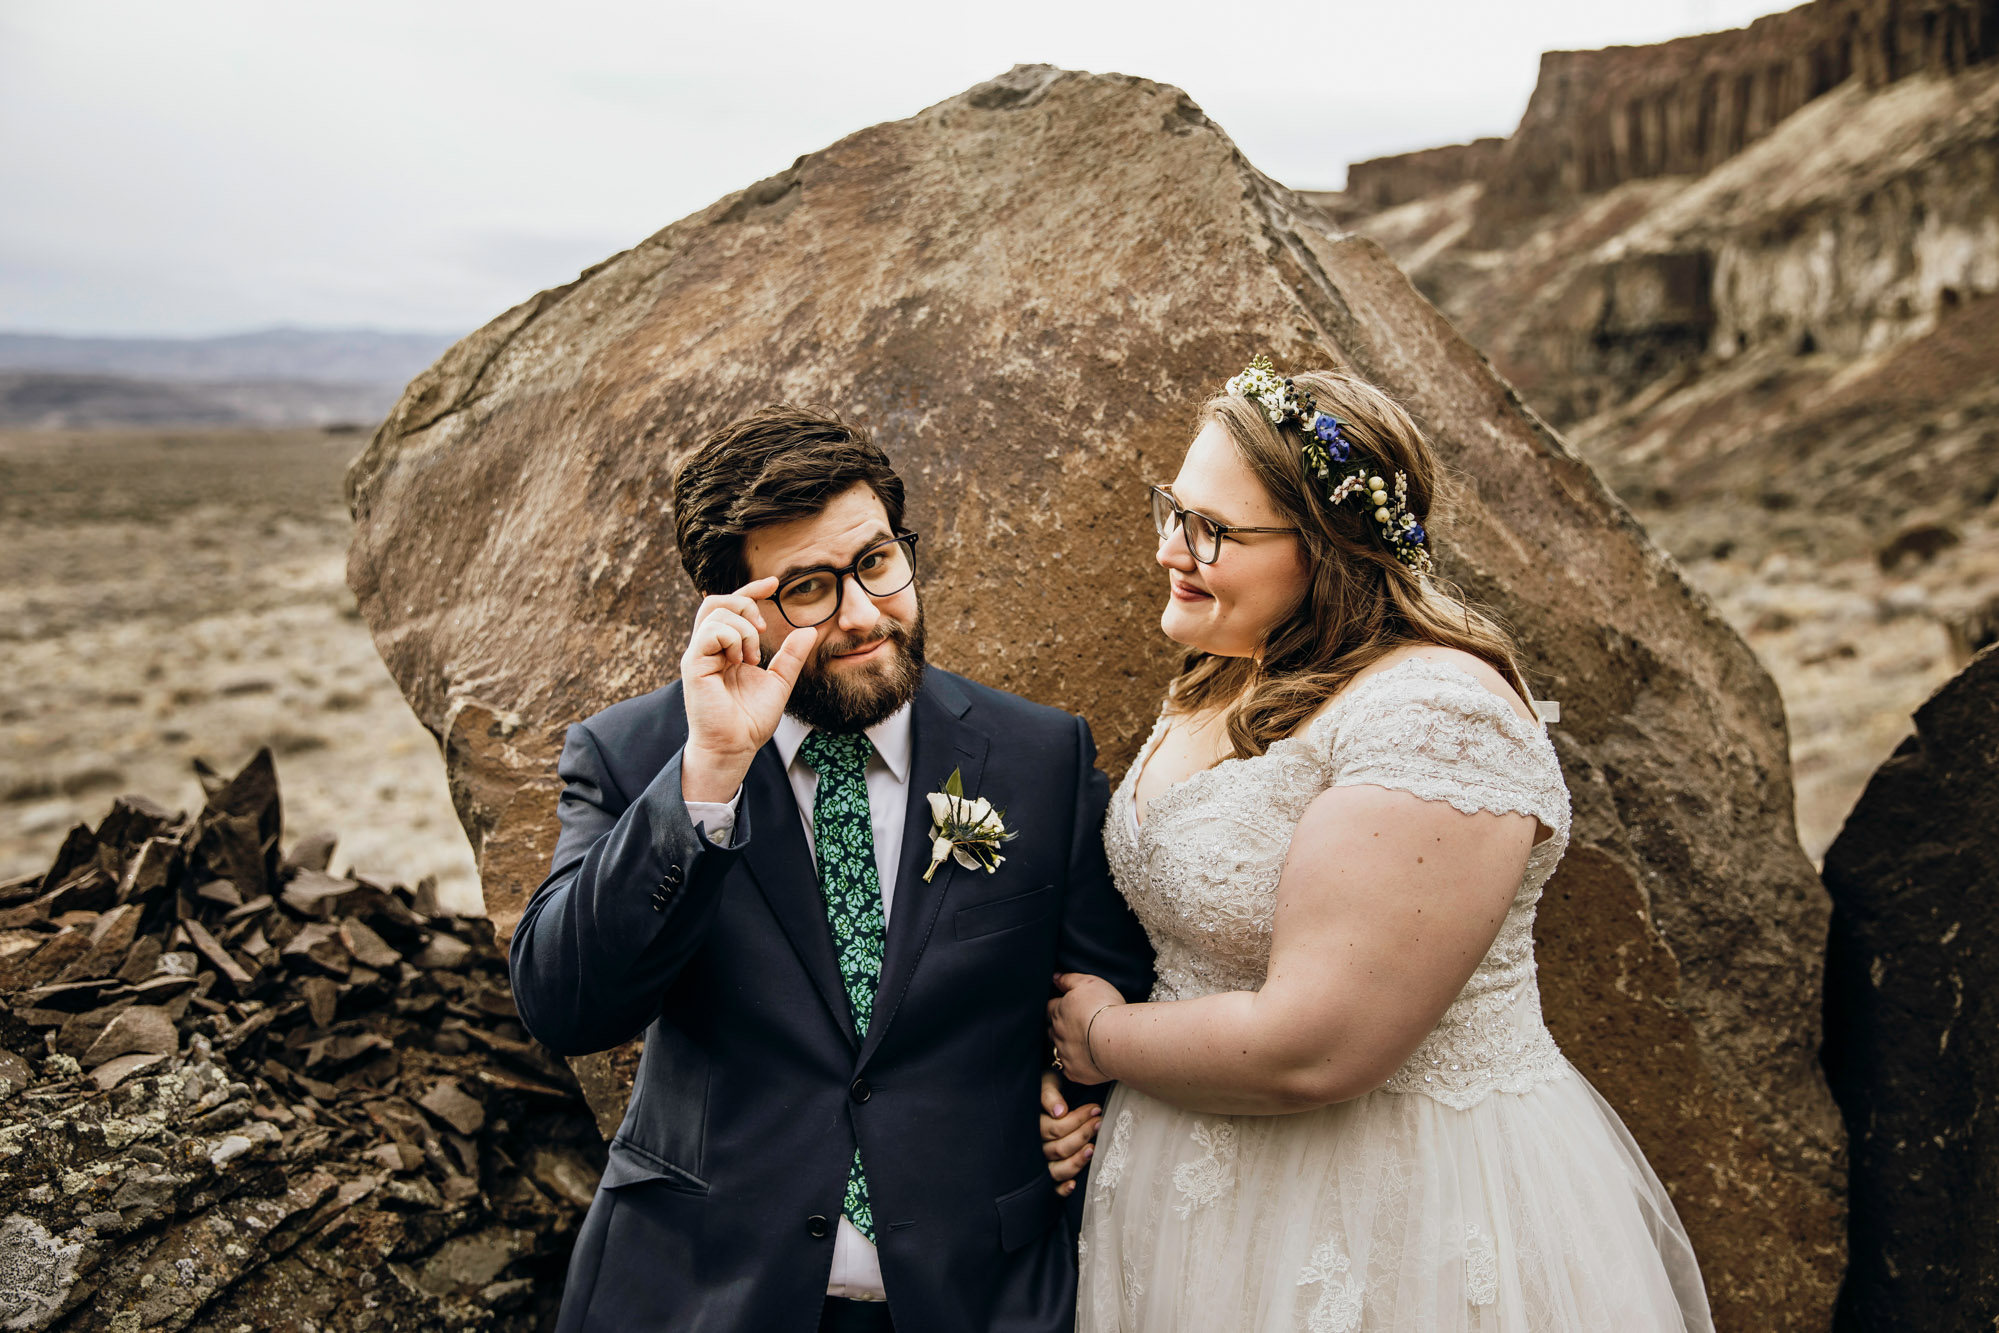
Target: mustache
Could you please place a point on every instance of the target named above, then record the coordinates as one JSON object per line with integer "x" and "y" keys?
{"x": 888, "y": 630}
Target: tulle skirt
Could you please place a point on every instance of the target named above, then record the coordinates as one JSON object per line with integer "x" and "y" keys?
{"x": 1528, "y": 1212}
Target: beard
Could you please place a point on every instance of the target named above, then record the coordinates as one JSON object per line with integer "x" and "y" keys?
{"x": 850, "y": 701}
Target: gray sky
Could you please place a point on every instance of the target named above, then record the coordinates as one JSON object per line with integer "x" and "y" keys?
{"x": 207, "y": 166}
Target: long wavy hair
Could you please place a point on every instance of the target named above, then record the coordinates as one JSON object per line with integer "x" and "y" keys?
{"x": 1360, "y": 602}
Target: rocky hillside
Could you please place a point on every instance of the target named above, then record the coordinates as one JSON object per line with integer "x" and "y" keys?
{"x": 1750, "y": 275}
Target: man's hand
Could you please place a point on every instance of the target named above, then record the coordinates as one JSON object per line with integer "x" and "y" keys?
{"x": 1068, "y": 1138}
{"x": 733, "y": 701}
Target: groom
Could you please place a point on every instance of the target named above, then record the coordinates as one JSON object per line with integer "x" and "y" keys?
{"x": 833, "y": 1124}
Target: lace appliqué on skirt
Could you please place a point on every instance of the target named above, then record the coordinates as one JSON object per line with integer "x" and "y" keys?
{"x": 1116, "y": 1154}
{"x": 1208, "y": 1176}
{"x": 1481, "y": 1266}
{"x": 1338, "y": 1308}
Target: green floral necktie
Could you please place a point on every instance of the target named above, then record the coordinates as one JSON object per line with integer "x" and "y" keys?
{"x": 843, "y": 835}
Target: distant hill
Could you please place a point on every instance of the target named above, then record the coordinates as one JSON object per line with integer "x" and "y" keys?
{"x": 57, "y": 401}
{"x": 341, "y": 356}
{"x": 272, "y": 377}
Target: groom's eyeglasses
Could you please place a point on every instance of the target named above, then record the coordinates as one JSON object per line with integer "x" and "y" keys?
{"x": 813, "y": 598}
{"x": 1202, "y": 534}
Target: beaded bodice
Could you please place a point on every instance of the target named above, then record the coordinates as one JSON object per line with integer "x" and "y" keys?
{"x": 1202, "y": 871}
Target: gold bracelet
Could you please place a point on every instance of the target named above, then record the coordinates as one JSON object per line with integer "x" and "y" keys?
{"x": 1090, "y": 1027}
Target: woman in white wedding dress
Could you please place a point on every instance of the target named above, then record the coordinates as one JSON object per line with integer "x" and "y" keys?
{"x": 1340, "y": 1110}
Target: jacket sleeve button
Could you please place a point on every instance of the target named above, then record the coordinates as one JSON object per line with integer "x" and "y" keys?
{"x": 674, "y": 876}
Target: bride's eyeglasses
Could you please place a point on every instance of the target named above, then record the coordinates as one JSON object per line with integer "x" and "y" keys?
{"x": 1202, "y": 534}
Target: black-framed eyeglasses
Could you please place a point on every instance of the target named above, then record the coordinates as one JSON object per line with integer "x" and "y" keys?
{"x": 1202, "y": 534}
{"x": 813, "y": 597}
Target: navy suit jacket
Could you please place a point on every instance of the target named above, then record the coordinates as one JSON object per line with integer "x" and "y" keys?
{"x": 717, "y": 1211}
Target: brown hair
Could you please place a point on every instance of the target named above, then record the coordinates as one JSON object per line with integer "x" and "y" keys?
{"x": 1361, "y": 602}
{"x": 778, "y": 463}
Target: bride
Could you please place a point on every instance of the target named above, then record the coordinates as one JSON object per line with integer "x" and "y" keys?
{"x": 1340, "y": 1110}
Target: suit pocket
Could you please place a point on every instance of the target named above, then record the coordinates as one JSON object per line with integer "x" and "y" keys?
{"x": 628, "y": 1164}
{"x": 1028, "y": 1212}
{"x": 989, "y": 918}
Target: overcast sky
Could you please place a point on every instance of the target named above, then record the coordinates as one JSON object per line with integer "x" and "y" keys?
{"x": 209, "y": 166}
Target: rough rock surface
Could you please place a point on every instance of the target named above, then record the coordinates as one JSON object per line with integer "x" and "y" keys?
{"x": 203, "y": 1126}
{"x": 1911, "y": 1018}
{"x": 1026, "y": 290}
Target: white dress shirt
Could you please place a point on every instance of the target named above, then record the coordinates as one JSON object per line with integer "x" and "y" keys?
{"x": 857, "y": 1273}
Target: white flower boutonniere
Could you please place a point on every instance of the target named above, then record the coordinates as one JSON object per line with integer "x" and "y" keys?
{"x": 968, "y": 832}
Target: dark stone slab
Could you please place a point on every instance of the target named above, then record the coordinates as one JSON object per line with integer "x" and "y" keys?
{"x": 1912, "y": 1019}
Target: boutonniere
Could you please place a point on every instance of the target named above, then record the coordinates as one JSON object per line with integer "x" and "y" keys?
{"x": 968, "y": 832}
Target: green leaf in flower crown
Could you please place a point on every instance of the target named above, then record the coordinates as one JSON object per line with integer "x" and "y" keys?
{"x": 954, "y": 785}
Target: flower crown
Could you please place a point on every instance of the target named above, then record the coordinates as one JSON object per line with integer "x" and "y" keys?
{"x": 1325, "y": 449}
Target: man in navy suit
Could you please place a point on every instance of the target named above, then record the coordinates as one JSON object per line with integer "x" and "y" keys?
{"x": 833, "y": 1123}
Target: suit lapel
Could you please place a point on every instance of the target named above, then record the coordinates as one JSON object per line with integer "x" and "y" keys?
{"x": 940, "y": 741}
{"x": 781, "y": 861}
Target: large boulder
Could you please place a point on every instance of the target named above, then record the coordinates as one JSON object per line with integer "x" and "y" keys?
{"x": 1025, "y": 291}
{"x": 1911, "y": 1013}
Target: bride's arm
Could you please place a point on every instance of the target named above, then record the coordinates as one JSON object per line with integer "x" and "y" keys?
{"x": 1386, "y": 905}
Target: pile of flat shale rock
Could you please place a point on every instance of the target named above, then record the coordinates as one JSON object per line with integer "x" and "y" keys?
{"x": 239, "y": 1093}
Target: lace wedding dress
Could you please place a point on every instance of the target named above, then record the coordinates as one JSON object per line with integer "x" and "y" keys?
{"x": 1485, "y": 1186}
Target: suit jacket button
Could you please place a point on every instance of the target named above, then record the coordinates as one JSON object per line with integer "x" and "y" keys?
{"x": 817, "y": 1226}
{"x": 659, "y": 902}
{"x": 673, "y": 877}
{"x": 861, "y": 1090}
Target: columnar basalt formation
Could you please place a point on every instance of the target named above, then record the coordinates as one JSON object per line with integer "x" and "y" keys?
{"x": 1384, "y": 182}
{"x": 1681, "y": 108}
{"x": 1911, "y": 1014}
{"x": 1025, "y": 291}
{"x": 1857, "y": 225}
{"x": 1682, "y": 327}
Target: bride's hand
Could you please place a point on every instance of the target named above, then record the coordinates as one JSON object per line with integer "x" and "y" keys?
{"x": 1069, "y": 1016}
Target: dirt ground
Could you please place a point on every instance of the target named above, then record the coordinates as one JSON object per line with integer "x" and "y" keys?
{"x": 172, "y": 594}
{"x": 1853, "y": 651}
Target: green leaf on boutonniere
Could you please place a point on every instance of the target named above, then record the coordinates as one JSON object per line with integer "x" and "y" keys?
{"x": 955, "y": 784}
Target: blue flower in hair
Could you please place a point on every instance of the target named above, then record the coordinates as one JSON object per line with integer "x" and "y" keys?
{"x": 1327, "y": 428}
